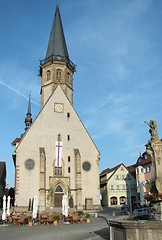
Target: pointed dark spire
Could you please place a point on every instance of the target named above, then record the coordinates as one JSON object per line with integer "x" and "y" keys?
{"x": 29, "y": 104}
{"x": 57, "y": 44}
{"x": 57, "y": 49}
{"x": 28, "y": 119}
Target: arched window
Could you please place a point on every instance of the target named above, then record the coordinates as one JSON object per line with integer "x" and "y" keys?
{"x": 48, "y": 75}
{"x": 113, "y": 200}
{"x": 123, "y": 199}
{"x": 58, "y": 171}
{"x": 59, "y": 74}
{"x": 68, "y": 77}
{"x": 59, "y": 137}
{"x": 59, "y": 189}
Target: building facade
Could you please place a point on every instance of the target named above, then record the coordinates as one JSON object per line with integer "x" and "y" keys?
{"x": 56, "y": 154}
{"x": 2, "y": 182}
{"x": 117, "y": 185}
{"x": 143, "y": 173}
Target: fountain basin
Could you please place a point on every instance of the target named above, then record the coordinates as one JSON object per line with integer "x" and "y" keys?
{"x": 133, "y": 230}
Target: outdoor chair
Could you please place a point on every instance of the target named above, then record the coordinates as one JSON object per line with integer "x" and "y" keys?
{"x": 23, "y": 219}
{"x": 69, "y": 218}
{"x": 75, "y": 217}
{"x": 44, "y": 218}
{"x": 10, "y": 220}
{"x": 15, "y": 219}
{"x": 50, "y": 218}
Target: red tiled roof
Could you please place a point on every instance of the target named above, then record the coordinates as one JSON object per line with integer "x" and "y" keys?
{"x": 17, "y": 140}
{"x": 132, "y": 170}
{"x": 104, "y": 172}
{"x": 144, "y": 161}
{"x": 108, "y": 170}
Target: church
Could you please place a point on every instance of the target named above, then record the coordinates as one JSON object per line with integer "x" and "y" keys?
{"x": 56, "y": 155}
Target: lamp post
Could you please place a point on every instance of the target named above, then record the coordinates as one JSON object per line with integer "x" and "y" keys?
{"x": 130, "y": 200}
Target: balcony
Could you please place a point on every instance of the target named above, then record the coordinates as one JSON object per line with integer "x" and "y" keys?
{"x": 57, "y": 58}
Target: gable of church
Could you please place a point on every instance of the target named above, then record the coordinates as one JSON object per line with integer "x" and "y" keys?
{"x": 52, "y": 121}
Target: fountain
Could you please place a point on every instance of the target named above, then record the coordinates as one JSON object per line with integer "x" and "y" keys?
{"x": 154, "y": 148}
{"x": 145, "y": 229}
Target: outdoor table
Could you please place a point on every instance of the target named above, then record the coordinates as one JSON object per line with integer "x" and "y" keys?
{"x": 44, "y": 219}
{"x": 16, "y": 220}
{"x": 69, "y": 218}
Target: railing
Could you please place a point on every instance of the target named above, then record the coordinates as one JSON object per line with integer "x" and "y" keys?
{"x": 143, "y": 211}
{"x": 58, "y": 58}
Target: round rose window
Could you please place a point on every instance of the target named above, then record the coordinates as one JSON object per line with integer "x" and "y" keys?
{"x": 29, "y": 164}
{"x": 86, "y": 166}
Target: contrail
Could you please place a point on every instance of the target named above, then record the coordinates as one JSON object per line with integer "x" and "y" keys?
{"x": 14, "y": 90}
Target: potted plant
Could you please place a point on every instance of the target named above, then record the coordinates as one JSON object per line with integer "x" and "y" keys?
{"x": 30, "y": 221}
{"x": 87, "y": 217}
{"x": 55, "y": 219}
{"x": 80, "y": 214}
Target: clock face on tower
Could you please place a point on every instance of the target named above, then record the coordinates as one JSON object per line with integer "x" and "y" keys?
{"x": 59, "y": 107}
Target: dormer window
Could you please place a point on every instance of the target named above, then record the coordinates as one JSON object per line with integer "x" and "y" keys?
{"x": 145, "y": 156}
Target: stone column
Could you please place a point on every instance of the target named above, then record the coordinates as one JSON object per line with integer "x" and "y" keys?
{"x": 78, "y": 180}
{"x": 42, "y": 198}
{"x": 154, "y": 148}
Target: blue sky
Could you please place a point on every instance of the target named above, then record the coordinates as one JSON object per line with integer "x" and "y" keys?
{"x": 117, "y": 46}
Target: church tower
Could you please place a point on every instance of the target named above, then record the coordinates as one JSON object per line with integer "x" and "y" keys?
{"x": 56, "y": 69}
{"x": 56, "y": 155}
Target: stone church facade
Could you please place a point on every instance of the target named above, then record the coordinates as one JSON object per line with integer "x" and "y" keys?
{"x": 56, "y": 154}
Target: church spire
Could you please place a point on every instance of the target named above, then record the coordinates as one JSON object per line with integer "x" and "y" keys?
{"x": 28, "y": 119}
{"x": 57, "y": 48}
{"x": 56, "y": 69}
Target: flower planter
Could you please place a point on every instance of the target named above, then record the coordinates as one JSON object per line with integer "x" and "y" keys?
{"x": 81, "y": 219}
{"x": 55, "y": 223}
{"x": 153, "y": 197}
{"x": 30, "y": 224}
{"x": 88, "y": 220}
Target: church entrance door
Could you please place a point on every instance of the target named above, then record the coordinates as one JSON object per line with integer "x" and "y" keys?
{"x": 58, "y": 199}
{"x": 58, "y": 196}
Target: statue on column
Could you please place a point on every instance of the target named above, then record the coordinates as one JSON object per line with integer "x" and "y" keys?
{"x": 154, "y": 148}
{"x": 153, "y": 125}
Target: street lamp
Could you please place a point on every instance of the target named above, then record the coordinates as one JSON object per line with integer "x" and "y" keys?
{"x": 130, "y": 200}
